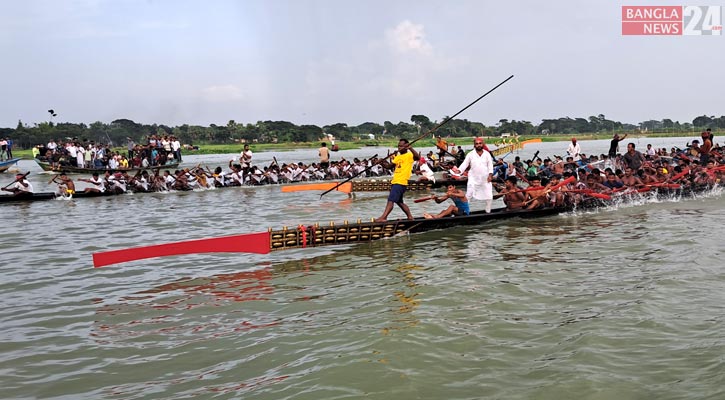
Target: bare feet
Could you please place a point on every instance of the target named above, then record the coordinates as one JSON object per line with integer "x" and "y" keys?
{"x": 428, "y": 216}
{"x": 381, "y": 219}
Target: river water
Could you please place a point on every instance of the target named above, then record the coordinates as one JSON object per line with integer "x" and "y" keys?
{"x": 622, "y": 303}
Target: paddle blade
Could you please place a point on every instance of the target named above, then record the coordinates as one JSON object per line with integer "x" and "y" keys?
{"x": 308, "y": 186}
{"x": 565, "y": 182}
{"x": 246, "y": 243}
{"x": 329, "y": 186}
{"x": 602, "y": 196}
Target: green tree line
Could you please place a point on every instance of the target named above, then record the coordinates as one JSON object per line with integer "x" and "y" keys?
{"x": 116, "y": 132}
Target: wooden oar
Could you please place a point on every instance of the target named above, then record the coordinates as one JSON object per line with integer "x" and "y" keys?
{"x": 565, "y": 182}
{"x": 430, "y": 132}
{"x": 592, "y": 193}
{"x": 422, "y": 199}
{"x": 245, "y": 243}
{"x": 679, "y": 176}
{"x": 345, "y": 188}
{"x": 17, "y": 179}
{"x": 665, "y": 185}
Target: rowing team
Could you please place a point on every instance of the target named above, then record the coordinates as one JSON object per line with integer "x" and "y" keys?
{"x": 239, "y": 174}
{"x": 573, "y": 187}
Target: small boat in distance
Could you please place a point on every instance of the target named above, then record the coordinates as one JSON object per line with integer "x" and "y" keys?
{"x": 46, "y": 166}
{"x": 5, "y": 165}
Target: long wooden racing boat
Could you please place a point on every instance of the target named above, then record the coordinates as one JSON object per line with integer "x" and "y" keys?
{"x": 41, "y": 196}
{"x": 315, "y": 235}
{"x": 5, "y": 165}
{"x": 46, "y": 166}
{"x": 505, "y": 148}
{"x": 370, "y": 185}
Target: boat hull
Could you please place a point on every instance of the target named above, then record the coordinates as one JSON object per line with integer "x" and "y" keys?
{"x": 42, "y": 196}
{"x": 357, "y": 232}
{"x": 5, "y": 165}
{"x": 509, "y": 147}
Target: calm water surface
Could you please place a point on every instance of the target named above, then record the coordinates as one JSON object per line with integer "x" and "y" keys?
{"x": 623, "y": 303}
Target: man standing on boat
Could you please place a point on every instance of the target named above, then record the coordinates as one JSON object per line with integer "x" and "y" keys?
{"x": 324, "y": 154}
{"x": 9, "y": 149}
{"x": 705, "y": 148}
{"x": 614, "y": 145}
{"x": 574, "y": 149}
{"x": 403, "y": 169}
{"x": 176, "y": 148}
{"x": 480, "y": 174}
{"x": 246, "y": 157}
{"x": 3, "y": 149}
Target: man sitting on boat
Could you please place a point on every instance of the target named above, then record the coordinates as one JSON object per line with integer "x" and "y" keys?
{"x": 97, "y": 185}
{"x": 424, "y": 170}
{"x": 21, "y": 186}
{"x": 460, "y": 203}
{"x": 513, "y": 195}
{"x": 537, "y": 195}
{"x": 66, "y": 186}
{"x": 115, "y": 182}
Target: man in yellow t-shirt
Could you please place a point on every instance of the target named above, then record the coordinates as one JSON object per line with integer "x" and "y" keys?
{"x": 403, "y": 169}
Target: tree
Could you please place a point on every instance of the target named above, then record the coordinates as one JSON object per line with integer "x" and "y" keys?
{"x": 702, "y": 121}
{"x": 339, "y": 131}
{"x": 422, "y": 121}
{"x": 370, "y": 127}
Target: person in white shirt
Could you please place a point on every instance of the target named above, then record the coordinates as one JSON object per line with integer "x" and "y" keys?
{"x": 574, "y": 149}
{"x": 80, "y": 156}
{"x": 245, "y": 158}
{"x": 169, "y": 180}
{"x": 480, "y": 174}
{"x": 116, "y": 182}
{"x": 97, "y": 184}
{"x": 52, "y": 146}
{"x": 113, "y": 163}
{"x": 426, "y": 174}
{"x": 176, "y": 148}
{"x": 236, "y": 176}
{"x": 72, "y": 153}
{"x": 20, "y": 187}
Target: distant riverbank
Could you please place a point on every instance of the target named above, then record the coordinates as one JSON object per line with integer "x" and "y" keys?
{"x": 393, "y": 143}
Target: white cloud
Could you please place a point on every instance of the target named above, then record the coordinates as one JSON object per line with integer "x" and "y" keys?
{"x": 408, "y": 37}
{"x": 222, "y": 93}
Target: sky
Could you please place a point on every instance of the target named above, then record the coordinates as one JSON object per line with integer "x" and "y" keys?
{"x": 322, "y": 62}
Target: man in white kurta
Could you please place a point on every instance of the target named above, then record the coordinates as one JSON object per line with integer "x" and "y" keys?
{"x": 480, "y": 173}
{"x": 574, "y": 149}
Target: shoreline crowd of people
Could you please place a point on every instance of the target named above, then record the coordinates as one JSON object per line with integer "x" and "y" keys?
{"x": 157, "y": 151}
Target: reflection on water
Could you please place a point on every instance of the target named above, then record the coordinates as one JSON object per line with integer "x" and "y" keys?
{"x": 408, "y": 298}
{"x": 240, "y": 286}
